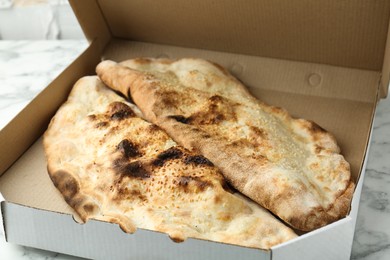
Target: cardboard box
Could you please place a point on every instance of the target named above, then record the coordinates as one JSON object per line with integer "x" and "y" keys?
{"x": 328, "y": 61}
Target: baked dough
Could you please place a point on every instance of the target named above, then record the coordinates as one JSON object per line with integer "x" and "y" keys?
{"x": 292, "y": 167}
{"x": 111, "y": 165}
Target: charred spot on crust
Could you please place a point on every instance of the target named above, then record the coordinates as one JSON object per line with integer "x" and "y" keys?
{"x": 319, "y": 149}
{"x": 258, "y": 131}
{"x": 120, "y": 111}
{"x": 277, "y": 110}
{"x": 169, "y": 99}
{"x": 76, "y": 202}
{"x": 315, "y": 128}
{"x": 177, "y": 239}
{"x": 218, "y": 109}
{"x": 212, "y": 116}
{"x": 218, "y": 118}
{"x": 154, "y": 128}
{"x": 135, "y": 192}
{"x": 67, "y": 184}
{"x": 128, "y": 149}
{"x": 90, "y": 208}
{"x": 125, "y": 193}
{"x": 101, "y": 124}
{"x": 97, "y": 120}
{"x": 92, "y": 117}
{"x": 197, "y": 160}
{"x": 216, "y": 99}
{"x": 193, "y": 183}
{"x": 72, "y": 187}
{"x": 131, "y": 169}
{"x": 136, "y": 169}
{"x": 138, "y": 194}
{"x": 181, "y": 119}
{"x": 184, "y": 180}
{"x": 214, "y": 110}
{"x": 170, "y": 154}
{"x": 226, "y": 186}
{"x": 196, "y": 130}
{"x": 142, "y": 60}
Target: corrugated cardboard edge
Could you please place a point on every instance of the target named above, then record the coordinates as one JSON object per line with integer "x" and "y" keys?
{"x": 91, "y": 21}
{"x": 384, "y": 84}
{"x": 2, "y": 226}
{"x": 103, "y": 240}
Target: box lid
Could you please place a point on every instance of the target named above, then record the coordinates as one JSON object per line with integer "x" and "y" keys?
{"x": 339, "y": 33}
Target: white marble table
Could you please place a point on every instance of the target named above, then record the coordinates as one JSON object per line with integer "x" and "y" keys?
{"x": 27, "y": 66}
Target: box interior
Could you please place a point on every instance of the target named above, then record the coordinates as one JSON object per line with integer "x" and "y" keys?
{"x": 320, "y": 60}
{"x": 347, "y": 115}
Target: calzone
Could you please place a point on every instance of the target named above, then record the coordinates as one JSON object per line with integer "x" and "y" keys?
{"x": 292, "y": 167}
{"x": 112, "y": 165}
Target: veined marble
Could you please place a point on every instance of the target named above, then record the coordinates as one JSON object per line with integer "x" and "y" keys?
{"x": 26, "y": 67}
{"x": 372, "y": 232}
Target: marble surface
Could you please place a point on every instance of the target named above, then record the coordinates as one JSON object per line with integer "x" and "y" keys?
{"x": 38, "y": 20}
{"x": 28, "y": 66}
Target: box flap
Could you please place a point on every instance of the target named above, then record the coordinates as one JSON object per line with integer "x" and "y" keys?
{"x": 91, "y": 21}
{"x": 342, "y": 33}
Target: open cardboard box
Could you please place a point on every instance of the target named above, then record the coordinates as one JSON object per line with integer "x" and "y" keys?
{"x": 328, "y": 61}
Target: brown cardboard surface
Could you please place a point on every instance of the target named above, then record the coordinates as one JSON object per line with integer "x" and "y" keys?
{"x": 386, "y": 68}
{"x": 265, "y": 73}
{"x": 92, "y": 21}
{"x": 343, "y": 33}
{"x": 28, "y": 183}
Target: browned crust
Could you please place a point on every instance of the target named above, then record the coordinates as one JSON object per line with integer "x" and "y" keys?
{"x": 235, "y": 168}
{"x": 68, "y": 183}
{"x": 123, "y": 81}
{"x": 141, "y": 176}
{"x": 241, "y": 90}
{"x": 245, "y": 174}
{"x": 69, "y": 187}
